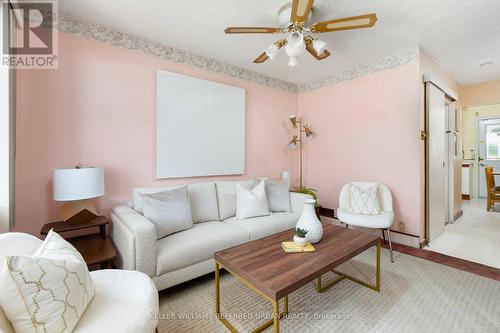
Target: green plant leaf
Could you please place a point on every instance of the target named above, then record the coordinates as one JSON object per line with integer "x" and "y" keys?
{"x": 301, "y": 232}
{"x": 307, "y": 190}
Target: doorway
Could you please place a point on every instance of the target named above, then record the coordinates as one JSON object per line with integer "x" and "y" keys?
{"x": 443, "y": 161}
{"x": 475, "y": 236}
{"x": 488, "y": 147}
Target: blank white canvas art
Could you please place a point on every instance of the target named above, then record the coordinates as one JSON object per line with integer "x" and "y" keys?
{"x": 200, "y": 127}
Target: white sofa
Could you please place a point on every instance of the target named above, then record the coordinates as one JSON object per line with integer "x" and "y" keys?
{"x": 124, "y": 301}
{"x": 188, "y": 254}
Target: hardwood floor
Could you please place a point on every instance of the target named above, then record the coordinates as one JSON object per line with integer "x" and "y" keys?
{"x": 464, "y": 265}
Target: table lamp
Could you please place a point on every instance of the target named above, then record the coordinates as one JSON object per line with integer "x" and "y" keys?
{"x": 74, "y": 186}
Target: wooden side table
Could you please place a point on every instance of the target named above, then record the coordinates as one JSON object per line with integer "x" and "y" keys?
{"x": 96, "y": 249}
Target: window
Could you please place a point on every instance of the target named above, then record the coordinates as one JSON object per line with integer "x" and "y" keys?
{"x": 493, "y": 142}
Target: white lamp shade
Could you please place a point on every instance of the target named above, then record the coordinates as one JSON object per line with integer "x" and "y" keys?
{"x": 70, "y": 184}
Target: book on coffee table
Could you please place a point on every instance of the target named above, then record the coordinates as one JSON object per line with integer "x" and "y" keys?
{"x": 290, "y": 247}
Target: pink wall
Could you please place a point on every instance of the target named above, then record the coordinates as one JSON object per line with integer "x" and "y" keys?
{"x": 98, "y": 108}
{"x": 367, "y": 129}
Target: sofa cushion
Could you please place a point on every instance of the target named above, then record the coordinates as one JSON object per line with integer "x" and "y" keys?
{"x": 203, "y": 202}
{"x": 263, "y": 226}
{"x": 202, "y": 197}
{"x": 383, "y": 220}
{"x": 226, "y": 197}
{"x": 138, "y": 192}
{"x": 5, "y": 325}
{"x": 124, "y": 301}
{"x": 170, "y": 211}
{"x": 32, "y": 287}
{"x": 197, "y": 244}
{"x": 18, "y": 243}
{"x": 278, "y": 195}
{"x": 251, "y": 202}
{"x": 365, "y": 200}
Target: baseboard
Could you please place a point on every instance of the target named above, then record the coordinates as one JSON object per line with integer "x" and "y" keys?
{"x": 458, "y": 215}
{"x": 423, "y": 243}
{"x": 457, "y": 263}
{"x": 396, "y": 236}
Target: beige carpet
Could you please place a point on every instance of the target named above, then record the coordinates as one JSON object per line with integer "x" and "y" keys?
{"x": 416, "y": 296}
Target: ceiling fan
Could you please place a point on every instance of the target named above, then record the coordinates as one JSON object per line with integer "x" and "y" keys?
{"x": 293, "y": 19}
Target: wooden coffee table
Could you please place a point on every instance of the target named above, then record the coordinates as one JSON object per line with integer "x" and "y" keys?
{"x": 273, "y": 274}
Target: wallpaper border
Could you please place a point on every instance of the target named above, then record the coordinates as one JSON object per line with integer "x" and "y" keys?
{"x": 117, "y": 38}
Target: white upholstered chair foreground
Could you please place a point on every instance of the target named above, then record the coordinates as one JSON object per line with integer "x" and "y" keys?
{"x": 124, "y": 301}
{"x": 381, "y": 221}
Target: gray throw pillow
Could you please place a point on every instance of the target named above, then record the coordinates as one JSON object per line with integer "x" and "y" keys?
{"x": 170, "y": 211}
{"x": 278, "y": 195}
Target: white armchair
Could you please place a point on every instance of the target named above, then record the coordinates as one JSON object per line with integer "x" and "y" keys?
{"x": 124, "y": 301}
{"x": 381, "y": 221}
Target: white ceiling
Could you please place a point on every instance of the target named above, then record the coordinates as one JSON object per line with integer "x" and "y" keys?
{"x": 459, "y": 34}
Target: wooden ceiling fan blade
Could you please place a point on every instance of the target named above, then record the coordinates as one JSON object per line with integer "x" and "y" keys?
{"x": 309, "y": 48}
{"x": 325, "y": 54}
{"x": 301, "y": 10}
{"x": 260, "y": 59}
{"x": 251, "y": 30}
{"x": 347, "y": 23}
{"x": 263, "y": 57}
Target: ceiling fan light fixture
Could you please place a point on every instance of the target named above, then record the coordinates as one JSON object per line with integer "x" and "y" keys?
{"x": 294, "y": 22}
{"x": 295, "y": 39}
{"x": 272, "y": 51}
{"x": 293, "y": 62}
{"x": 319, "y": 46}
{"x": 295, "y": 51}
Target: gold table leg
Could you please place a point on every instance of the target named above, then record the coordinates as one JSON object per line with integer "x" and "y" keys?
{"x": 276, "y": 307}
{"x": 341, "y": 276}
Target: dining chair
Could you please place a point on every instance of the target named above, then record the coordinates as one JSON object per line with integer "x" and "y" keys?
{"x": 493, "y": 191}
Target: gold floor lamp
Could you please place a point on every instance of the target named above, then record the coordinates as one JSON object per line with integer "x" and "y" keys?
{"x": 297, "y": 139}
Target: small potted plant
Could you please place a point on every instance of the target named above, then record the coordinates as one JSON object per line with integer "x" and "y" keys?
{"x": 300, "y": 237}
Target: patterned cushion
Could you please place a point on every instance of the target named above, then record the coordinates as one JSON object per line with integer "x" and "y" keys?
{"x": 46, "y": 292}
{"x": 364, "y": 201}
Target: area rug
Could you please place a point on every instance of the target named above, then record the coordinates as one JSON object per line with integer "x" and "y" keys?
{"x": 416, "y": 296}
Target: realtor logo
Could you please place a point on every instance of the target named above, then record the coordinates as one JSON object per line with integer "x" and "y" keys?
{"x": 29, "y": 34}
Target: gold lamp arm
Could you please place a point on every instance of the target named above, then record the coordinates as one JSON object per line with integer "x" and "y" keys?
{"x": 297, "y": 139}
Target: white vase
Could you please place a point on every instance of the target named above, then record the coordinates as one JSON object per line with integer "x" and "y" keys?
{"x": 299, "y": 241}
{"x": 310, "y": 222}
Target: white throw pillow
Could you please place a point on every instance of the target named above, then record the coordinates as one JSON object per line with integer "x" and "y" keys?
{"x": 251, "y": 202}
{"x": 278, "y": 195}
{"x": 170, "y": 211}
{"x": 365, "y": 201}
{"x": 46, "y": 292}
{"x": 226, "y": 197}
